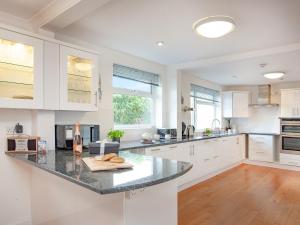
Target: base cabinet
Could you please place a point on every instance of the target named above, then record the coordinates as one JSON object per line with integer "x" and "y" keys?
{"x": 289, "y": 159}
{"x": 261, "y": 148}
{"x": 207, "y": 156}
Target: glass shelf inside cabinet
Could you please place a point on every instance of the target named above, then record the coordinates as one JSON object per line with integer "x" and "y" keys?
{"x": 16, "y": 70}
{"x": 79, "y": 79}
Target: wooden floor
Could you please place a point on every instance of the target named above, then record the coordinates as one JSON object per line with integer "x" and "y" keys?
{"x": 244, "y": 195}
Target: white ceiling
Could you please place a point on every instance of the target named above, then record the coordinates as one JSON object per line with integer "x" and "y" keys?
{"x": 133, "y": 26}
{"x": 249, "y": 71}
{"x": 24, "y": 9}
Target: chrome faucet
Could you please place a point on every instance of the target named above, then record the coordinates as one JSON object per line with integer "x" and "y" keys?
{"x": 213, "y": 126}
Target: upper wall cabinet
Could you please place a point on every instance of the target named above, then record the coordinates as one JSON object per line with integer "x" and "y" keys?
{"x": 290, "y": 103}
{"x": 79, "y": 80}
{"x": 21, "y": 71}
{"x": 235, "y": 104}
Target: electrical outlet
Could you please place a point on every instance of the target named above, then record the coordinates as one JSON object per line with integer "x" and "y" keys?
{"x": 10, "y": 130}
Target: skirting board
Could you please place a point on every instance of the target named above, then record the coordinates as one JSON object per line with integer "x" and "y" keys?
{"x": 272, "y": 165}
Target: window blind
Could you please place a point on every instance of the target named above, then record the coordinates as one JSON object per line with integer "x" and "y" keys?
{"x": 136, "y": 75}
{"x": 204, "y": 93}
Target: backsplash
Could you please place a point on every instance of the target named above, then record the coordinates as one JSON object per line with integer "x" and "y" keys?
{"x": 261, "y": 119}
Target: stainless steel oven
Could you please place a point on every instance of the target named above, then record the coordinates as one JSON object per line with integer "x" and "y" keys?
{"x": 290, "y": 136}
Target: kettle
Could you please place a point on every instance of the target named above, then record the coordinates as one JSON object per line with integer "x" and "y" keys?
{"x": 190, "y": 131}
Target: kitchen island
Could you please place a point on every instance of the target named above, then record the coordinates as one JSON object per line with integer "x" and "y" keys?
{"x": 75, "y": 199}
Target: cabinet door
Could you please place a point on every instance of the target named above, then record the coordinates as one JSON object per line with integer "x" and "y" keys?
{"x": 297, "y": 103}
{"x": 240, "y": 104}
{"x": 261, "y": 148}
{"x": 21, "y": 71}
{"x": 289, "y": 103}
{"x": 79, "y": 80}
{"x": 227, "y": 104}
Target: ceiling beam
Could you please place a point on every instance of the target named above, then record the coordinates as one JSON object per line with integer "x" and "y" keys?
{"x": 50, "y": 12}
{"x": 237, "y": 57}
{"x": 61, "y": 13}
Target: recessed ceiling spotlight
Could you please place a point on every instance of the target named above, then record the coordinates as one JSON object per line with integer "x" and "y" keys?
{"x": 274, "y": 75}
{"x": 214, "y": 26}
{"x": 160, "y": 43}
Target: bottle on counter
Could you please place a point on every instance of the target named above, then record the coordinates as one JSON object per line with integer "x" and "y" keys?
{"x": 77, "y": 141}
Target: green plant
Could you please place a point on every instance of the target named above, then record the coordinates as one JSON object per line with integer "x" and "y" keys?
{"x": 207, "y": 131}
{"x": 115, "y": 134}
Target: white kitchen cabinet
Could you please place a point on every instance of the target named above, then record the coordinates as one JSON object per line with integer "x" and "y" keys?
{"x": 79, "y": 80}
{"x": 21, "y": 71}
{"x": 235, "y": 104}
{"x": 289, "y": 159}
{"x": 261, "y": 148}
{"x": 290, "y": 103}
{"x": 207, "y": 156}
{"x": 166, "y": 152}
{"x": 51, "y": 93}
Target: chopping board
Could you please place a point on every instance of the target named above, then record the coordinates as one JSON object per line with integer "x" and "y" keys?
{"x": 99, "y": 165}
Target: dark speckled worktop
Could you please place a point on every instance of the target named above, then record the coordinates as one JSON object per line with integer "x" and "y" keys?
{"x": 137, "y": 144}
{"x": 147, "y": 170}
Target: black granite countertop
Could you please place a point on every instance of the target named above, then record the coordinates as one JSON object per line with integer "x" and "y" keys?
{"x": 147, "y": 170}
{"x": 262, "y": 133}
{"x": 129, "y": 145}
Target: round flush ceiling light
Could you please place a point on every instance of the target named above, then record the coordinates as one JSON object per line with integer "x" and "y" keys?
{"x": 214, "y": 26}
{"x": 274, "y": 75}
{"x": 160, "y": 43}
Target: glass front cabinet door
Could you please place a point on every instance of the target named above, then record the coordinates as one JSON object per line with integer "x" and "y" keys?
{"x": 21, "y": 71}
{"x": 79, "y": 80}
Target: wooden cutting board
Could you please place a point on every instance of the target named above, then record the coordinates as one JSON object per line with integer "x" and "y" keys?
{"x": 99, "y": 165}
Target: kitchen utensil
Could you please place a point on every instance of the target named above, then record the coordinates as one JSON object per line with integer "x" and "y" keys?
{"x": 97, "y": 165}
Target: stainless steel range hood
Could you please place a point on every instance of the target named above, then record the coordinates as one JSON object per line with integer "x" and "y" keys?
{"x": 264, "y": 97}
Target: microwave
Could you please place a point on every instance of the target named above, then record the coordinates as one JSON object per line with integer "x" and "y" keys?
{"x": 64, "y": 135}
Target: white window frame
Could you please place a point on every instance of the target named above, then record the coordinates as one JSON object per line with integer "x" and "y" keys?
{"x": 215, "y": 104}
{"x": 199, "y": 100}
{"x": 151, "y": 95}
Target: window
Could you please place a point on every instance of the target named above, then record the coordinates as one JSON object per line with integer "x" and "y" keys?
{"x": 207, "y": 106}
{"x": 134, "y": 97}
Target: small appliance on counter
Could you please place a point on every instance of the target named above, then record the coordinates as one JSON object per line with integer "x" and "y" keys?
{"x": 109, "y": 147}
{"x": 64, "y": 135}
{"x": 166, "y": 131}
{"x": 187, "y": 131}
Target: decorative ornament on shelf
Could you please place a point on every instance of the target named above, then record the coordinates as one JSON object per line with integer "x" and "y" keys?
{"x": 187, "y": 109}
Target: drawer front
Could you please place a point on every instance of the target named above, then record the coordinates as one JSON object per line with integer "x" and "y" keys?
{"x": 260, "y": 155}
{"x": 289, "y": 162}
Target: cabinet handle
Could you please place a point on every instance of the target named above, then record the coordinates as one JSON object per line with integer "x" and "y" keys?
{"x": 216, "y": 156}
{"x": 259, "y": 152}
{"x": 193, "y": 147}
{"x": 173, "y": 147}
{"x": 155, "y": 150}
{"x": 206, "y": 160}
{"x": 259, "y": 142}
{"x": 96, "y": 98}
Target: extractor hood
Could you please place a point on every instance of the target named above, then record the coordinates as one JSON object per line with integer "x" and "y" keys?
{"x": 264, "y": 97}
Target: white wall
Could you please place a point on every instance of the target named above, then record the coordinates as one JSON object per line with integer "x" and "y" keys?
{"x": 261, "y": 119}
{"x": 15, "y": 187}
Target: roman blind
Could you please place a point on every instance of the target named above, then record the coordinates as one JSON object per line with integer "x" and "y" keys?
{"x": 136, "y": 75}
{"x": 204, "y": 93}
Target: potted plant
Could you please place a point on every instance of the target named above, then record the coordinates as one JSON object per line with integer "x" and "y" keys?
{"x": 115, "y": 135}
